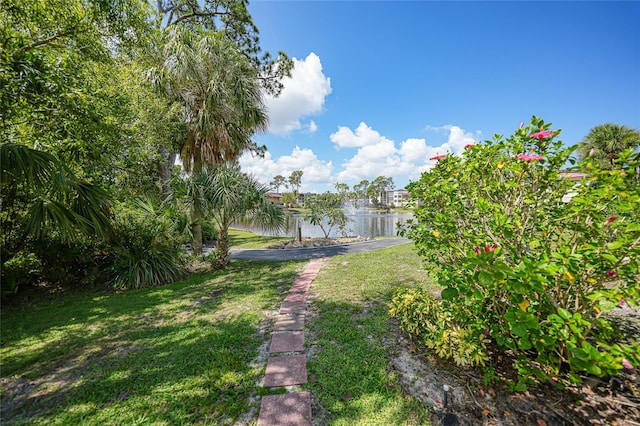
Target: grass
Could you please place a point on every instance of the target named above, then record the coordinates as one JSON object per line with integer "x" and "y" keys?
{"x": 353, "y": 381}
{"x": 184, "y": 353}
{"x": 248, "y": 240}
{"x": 178, "y": 354}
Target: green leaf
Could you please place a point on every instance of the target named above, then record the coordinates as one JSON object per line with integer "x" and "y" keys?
{"x": 615, "y": 245}
{"x": 593, "y": 369}
{"x": 520, "y": 387}
{"x": 564, "y": 314}
{"x": 449, "y": 293}
{"x": 524, "y": 343}
{"x": 485, "y": 278}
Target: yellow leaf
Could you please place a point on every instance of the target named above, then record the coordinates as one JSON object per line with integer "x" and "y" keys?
{"x": 524, "y": 305}
{"x": 570, "y": 277}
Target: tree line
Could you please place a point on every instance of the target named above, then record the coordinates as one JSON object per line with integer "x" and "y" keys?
{"x": 364, "y": 190}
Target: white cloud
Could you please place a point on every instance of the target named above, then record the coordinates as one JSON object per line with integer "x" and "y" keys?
{"x": 414, "y": 150}
{"x": 303, "y": 95}
{"x": 457, "y": 138}
{"x": 316, "y": 173}
{"x": 363, "y": 136}
{"x": 378, "y": 155}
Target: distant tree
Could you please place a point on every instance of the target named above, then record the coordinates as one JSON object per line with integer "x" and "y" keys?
{"x": 377, "y": 187}
{"x": 289, "y": 198}
{"x": 346, "y": 195}
{"x": 342, "y": 188}
{"x": 360, "y": 190}
{"x": 326, "y": 207}
{"x": 295, "y": 179}
{"x": 277, "y": 182}
{"x": 605, "y": 142}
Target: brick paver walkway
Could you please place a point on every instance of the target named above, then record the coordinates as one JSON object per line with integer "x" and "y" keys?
{"x": 287, "y": 363}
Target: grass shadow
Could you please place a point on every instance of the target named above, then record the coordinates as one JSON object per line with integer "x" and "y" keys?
{"x": 175, "y": 354}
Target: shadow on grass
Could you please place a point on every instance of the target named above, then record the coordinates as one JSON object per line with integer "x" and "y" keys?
{"x": 197, "y": 367}
{"x": 175, "y": 354}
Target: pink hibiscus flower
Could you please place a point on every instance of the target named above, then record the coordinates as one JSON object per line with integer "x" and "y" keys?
{"x": 528, "y": 157}
{"x": 542, "y": 135}
{"x": 438, "y": 157}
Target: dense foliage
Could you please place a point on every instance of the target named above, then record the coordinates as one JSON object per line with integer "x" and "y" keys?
{"x": 97, "y": 99}
{"x": 530, "y": 261}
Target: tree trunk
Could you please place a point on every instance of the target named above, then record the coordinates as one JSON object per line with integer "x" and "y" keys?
{"x": 196, "y": 231}
{"x": 196, "y": 214}
{"x": 223, "y": 246}
{"x": 165, "y": 165}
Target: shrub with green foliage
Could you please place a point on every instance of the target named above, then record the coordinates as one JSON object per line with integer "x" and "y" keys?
{"x": 145, "y": 251}
{"x": 528, "y": 260}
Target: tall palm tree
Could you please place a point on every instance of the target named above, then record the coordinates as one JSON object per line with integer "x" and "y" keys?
{"x": 229, "y": 196}
{"x": 222, "y": 98}
{"x": 605, "y": 142}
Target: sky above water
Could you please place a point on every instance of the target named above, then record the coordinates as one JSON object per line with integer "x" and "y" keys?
{"x": 380, "y": 87}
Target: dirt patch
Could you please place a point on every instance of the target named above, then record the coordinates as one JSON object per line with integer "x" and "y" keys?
{"x": 317, "y": 242}
{"x": 470, "y": 402}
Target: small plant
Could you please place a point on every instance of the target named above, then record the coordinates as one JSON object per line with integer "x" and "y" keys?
{"x": 528, "y": 258}
{"x": 420, "y": 314}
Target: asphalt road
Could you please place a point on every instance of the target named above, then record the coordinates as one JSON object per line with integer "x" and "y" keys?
{"x": 316, "y": 252}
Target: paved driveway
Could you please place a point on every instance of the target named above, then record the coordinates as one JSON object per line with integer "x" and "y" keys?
{"x": 316, "y": 252}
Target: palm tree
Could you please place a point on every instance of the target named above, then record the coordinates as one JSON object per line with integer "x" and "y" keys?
{"x": 222, "y": 98}
{"x": 605, "y": 142}
{"x": 229, "y": 196}
{"x": 41, "y": 196}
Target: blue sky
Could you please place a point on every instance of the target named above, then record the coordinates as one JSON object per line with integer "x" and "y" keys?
{"x": 379, "y": 87}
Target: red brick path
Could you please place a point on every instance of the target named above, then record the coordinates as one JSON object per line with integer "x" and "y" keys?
{"x": 287, "y": 364}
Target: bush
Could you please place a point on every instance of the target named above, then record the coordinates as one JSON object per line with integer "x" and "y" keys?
{"x": 528, "y": 258}
{"x": 20, "y": 269}
{"x": 144, "y": 252}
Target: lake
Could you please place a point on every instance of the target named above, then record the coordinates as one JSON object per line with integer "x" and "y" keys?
{"x": 361, "y": 224}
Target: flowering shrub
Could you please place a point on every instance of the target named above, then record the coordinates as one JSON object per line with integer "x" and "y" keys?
{"x": 528, "y": 260}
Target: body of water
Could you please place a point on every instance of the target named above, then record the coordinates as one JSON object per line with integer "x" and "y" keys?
{"x": 361, "y": 224}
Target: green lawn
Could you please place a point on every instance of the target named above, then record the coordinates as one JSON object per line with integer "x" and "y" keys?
{"x": 354, "y": 382}
{"x": 178, "y": 354}
{"x": 182, "y": 353}
{"x": 248, "y": 240}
